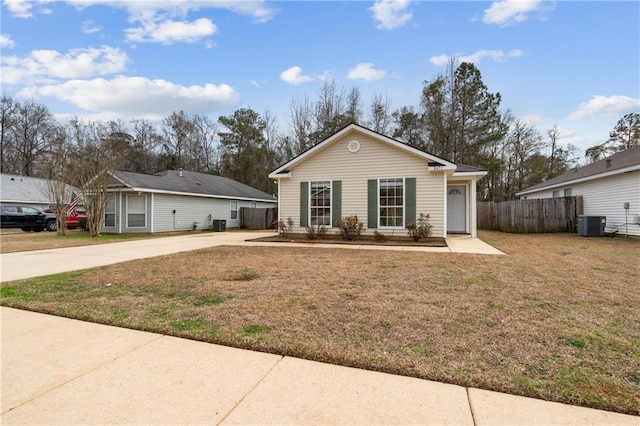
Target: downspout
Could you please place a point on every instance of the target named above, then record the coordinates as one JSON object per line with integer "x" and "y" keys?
{"x": 152, "y": 212}
{"x": 444, "y": 205}
{"x": 120, "y": 212}
{"x": 474, "y": 213}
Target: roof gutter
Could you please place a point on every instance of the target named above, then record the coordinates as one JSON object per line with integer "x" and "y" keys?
{"x": 191, "y": 194}
{"x": 580, "y": 180}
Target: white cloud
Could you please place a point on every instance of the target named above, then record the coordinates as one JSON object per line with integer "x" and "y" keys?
{"x": 365, "y": 71}
{"x": 6, "y": 41}
{"x": 165, "y": 21}
{"x": 390, "y": 14}
{"x": 494, "y": 55}
{"x": 138, "y": 96}
{"x": 24, "y": 8}
{"x": 19, "y": 8}
{"x": 48, "y": 65}
{"x": 294, "y": 75}
{"x": 168, "y": 31}
{"x": 475, "y": 58}
{"x": 440, "y": 60}
{"x": 509, "y": 12}
{"x": 90, "y": 27}
{"x": 533, "y": 119}
{"x": 605, "y": 106}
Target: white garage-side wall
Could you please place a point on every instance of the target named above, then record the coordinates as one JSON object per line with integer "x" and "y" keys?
{"x": 374, "y": 160}
{"x": 606, "y": 197}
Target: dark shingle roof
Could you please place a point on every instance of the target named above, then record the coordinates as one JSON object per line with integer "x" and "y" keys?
{"x": 191, "y": 183}
{"x": 618, "y": 161}
{"x": 27, "y": 189}
{"x": 465, "y": 168}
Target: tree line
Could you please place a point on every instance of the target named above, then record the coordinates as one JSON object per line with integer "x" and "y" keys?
{"x": 457, "y": 118}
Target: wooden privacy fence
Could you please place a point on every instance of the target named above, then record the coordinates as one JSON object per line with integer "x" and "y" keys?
{"x": 254, "y": 218}
{"x": 532, "y": 215}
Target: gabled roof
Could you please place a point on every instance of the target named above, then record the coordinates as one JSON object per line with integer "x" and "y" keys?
{"x": 620, "y": 162}
{"x": 27, "y": 189}
{"x": 432, "y": 160}
{"x": 182, "y": 182}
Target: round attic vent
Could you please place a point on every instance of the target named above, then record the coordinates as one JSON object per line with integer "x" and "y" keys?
{"x": 354, "y": 146}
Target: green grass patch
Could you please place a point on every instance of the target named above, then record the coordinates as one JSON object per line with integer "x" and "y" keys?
{"x": 254, "y": 329}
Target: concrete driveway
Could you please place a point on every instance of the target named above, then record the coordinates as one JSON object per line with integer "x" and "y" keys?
{"x": 44, "y": 262}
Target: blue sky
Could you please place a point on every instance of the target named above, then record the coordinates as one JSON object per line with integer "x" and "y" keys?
{"x": 574, "y": 64}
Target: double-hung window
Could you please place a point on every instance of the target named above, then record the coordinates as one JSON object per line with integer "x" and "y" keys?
{"x": 136, "y": 211}
{"x": 320, "y": 203}
{"x": 391, "y": 193}
{"x": 234, "y": 210}
{"x": 110, "y": 212}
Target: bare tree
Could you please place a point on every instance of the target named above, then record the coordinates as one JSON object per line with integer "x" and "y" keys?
{"x": 58, "y": 171}
{"x": 379, "y": 119}
{"x": 301, "y": 123}
{"x": 8, "y": 110}
{"x": 33, "y": 127}
{"x": 91, "y": 161}
{"x": 147, "y": 140}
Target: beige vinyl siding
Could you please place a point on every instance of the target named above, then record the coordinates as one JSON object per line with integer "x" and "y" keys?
{"x": 606, "y": 197}
{"x": 374, "y": 160}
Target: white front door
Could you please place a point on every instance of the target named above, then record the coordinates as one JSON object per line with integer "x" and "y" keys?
{"x": 457, "y": 208}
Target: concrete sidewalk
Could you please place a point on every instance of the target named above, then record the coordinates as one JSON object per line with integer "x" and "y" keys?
{"x": 62, "y": 371}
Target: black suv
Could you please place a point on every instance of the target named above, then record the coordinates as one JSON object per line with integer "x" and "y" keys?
{"x": 23, "y": 217}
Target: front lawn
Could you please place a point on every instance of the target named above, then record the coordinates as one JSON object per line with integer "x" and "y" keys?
{"x": 556, "y": 319}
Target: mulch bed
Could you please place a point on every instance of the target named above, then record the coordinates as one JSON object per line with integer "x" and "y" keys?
{"x": 361, "y": 240}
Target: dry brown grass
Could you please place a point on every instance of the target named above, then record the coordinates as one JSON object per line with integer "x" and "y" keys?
{"x": 557, "y": 319}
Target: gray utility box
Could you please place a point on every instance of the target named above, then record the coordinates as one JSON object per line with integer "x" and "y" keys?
{"x": 591, "y": 226}
{"x": 219, "y": 225}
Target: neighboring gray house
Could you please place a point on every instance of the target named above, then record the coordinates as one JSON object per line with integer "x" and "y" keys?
{"x": 605, "y": 186}
{"x": 30, "y": 191}
{"x": 176, "y": 200}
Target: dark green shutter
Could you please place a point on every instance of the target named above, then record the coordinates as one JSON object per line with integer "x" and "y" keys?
{"x": 336, "y": 201}
{"x": 410, "y": 200}
{"x": 304, "y": 204}
{"x": 372, "y": 205}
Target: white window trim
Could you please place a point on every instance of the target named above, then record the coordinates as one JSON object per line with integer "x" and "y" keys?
{"x": 404, "y": 201}
{"x": 104, "y": 217}
{"x": 145, "y": 210}
{"x": 330, "y": 201}
{"x": 231, "y": 209}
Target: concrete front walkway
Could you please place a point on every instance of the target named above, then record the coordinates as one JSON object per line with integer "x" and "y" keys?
{"x": 54, "y": 261}
{"x": 63, "y": 371}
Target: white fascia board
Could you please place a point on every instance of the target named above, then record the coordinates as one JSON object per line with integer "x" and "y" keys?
{"x": 274, "y": 175}
{"x": 477, "y": 174}
{"x": 584, "y": 179}
{"x": 190, "y": 194}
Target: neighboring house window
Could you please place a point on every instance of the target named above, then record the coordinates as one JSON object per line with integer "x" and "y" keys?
{"x": 320, "y": 203}
{"x": 234, "y": 209}
{"x": 136, "y": 211}
{"x": 556, "y": 194}
{"x": 110, "y": 212}
{"x": 567, "y": 192}
{"x": 391, "y": 202}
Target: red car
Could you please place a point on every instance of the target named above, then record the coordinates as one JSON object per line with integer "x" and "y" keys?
{"x": 73, "y": 222}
